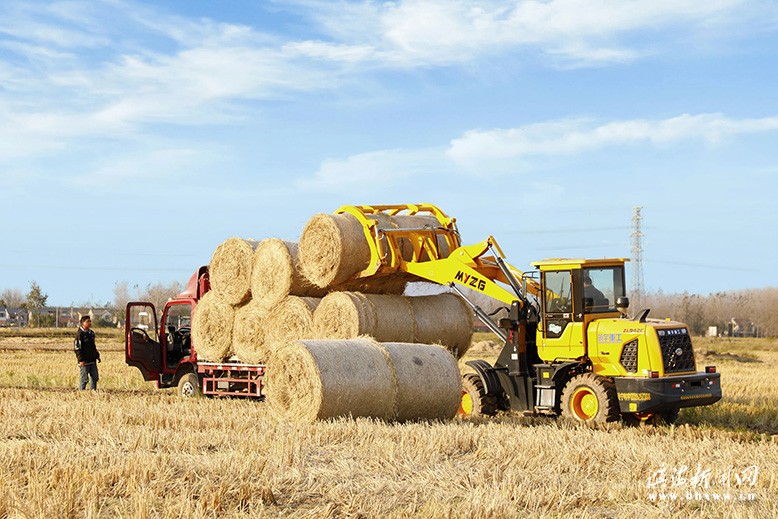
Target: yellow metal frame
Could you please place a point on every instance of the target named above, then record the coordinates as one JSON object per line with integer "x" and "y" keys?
{"x": 469, "y": 265}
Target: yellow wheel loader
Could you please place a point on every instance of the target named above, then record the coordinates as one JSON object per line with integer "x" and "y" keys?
{"x": 569, "y": 347}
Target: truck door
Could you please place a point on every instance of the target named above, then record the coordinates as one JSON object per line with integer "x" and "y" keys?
{"x": 561, "y": 331}
{"x": 142, "y": 348}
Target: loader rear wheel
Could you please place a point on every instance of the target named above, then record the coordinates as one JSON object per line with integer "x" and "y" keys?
{"x": 189, "y": 386}
{"x": 475, "y": 401}
{"x": 590, "y": 398}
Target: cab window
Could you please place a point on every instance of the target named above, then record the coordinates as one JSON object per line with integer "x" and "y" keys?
{"x": 558, "y": 303}
{"x": 558, "y": 292}
{"x": 601, "y": 288}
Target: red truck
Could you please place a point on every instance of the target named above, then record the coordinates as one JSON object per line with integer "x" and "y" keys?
{"x": 164, "y": 351}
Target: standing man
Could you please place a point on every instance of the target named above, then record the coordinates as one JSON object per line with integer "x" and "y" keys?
{"x": 86, "y": 353}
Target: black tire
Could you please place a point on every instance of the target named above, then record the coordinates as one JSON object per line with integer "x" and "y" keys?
{"x": 475, "y": 401}
{"x": 189, "y": 386}
{"x": 590, "y": 398}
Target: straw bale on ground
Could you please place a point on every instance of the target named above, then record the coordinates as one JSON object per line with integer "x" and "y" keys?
{"x": 276, "y": 273}
{"x": 317, "y": 379}
{"x": 429, "y": 386}
{"x": 291, "y": 320}
{"x": 249, "y": 334}
{"x": 438, "y": 319}
{"x": 212, "y": 325}
{"x": 230, "y": 270}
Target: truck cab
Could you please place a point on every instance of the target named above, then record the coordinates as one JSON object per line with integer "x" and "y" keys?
{"x": 163, "y": 350}
{"x": 165, "y": 353}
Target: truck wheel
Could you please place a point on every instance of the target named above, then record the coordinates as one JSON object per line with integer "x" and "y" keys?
{"x": 590, "y": 398}
{"x": 189, "y": 386}
{"x": 475, "y": 401}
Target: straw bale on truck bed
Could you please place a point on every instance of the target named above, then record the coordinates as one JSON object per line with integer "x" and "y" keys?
{"x": 212, "y": 325}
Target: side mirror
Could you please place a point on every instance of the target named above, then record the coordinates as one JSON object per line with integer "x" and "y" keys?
{"x": 622, "y": 303}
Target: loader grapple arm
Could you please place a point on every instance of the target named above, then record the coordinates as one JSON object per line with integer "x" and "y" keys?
{"x": 433, "y": 252}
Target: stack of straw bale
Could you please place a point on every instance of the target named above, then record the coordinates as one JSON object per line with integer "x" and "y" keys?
{"x": 320, "y": 379}
{"x": 266, "y": 293}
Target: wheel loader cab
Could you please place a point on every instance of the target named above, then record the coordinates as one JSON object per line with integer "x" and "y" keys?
{"x": 573, "y": 294}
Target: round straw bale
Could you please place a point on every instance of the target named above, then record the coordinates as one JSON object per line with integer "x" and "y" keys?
{"x": 344, "y": 315}
{"x": 317, "y": 379}
{"x": 212, "y": 325}
{"x": 276, "y": 273}
{"x": 333, "y": 248}
{"x": 429, "y": 385}
{"x": 249, "y": 337}
{"x": 291, "y": 319}
{"x": 230, "y": 270}
{"x": 443, "y": 319}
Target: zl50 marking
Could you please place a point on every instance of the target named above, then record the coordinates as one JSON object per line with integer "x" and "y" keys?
{"x": 470, "y": 281}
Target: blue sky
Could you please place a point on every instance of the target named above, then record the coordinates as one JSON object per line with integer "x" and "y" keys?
{"x": 137, "y": 136}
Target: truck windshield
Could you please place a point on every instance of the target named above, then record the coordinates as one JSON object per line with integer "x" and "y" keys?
{"x": 602, "y": 286}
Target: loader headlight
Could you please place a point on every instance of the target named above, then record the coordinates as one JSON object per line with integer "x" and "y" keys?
{"x": 678, "y": 352}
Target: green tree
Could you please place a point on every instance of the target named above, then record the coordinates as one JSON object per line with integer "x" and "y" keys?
{"x": 36, "y": 300}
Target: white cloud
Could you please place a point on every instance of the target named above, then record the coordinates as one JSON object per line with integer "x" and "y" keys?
{"x": 568, "y": 137}
{"x": 497, "y": 152}
{"x": 374, "y": 171}
{"x": 429, "y": 32}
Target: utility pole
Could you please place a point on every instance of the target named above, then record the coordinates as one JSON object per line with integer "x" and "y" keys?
{"x": 636, "y": 285}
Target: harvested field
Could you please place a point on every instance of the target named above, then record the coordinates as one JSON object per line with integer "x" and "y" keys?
{"x": 130, "y": 450}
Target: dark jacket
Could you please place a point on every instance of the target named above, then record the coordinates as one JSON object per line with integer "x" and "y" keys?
{"x": 85, "y": 347}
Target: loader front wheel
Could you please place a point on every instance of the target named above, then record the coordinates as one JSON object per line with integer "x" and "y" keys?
{"x": 590, "y": 398}
{"x": 475, "y": 401}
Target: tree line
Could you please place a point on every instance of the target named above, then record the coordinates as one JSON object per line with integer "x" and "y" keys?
{"x": 35, "y": 299}
{"x": 756, "y": 309}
